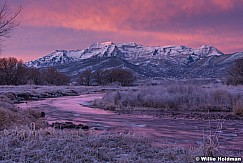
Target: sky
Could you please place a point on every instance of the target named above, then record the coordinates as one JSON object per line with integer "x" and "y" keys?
{"x": 48, "y": 25}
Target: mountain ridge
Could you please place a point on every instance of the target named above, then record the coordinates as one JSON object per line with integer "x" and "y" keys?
{"x": 123, "y": 50}
{"x": 173, "y": 61}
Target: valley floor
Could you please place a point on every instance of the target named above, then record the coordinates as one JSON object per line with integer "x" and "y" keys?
{"x": 126, "y": 131}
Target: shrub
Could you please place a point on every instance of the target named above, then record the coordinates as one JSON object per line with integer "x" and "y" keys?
{"x": 236, "y": 73}
{"x": 12, "y": 116}
{"x": 7, "y": 118}
{"x": 238, "y": 108}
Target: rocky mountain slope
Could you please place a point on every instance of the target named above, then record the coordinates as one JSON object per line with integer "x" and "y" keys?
{"x": 145, "y": 61}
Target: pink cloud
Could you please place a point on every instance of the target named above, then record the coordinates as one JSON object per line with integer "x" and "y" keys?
{"x": 111, "y": 15}
{"x": 62, "y": 24}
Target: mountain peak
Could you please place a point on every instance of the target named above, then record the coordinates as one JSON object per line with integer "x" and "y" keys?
{"x": 100, "y": 45}
{"x": 209, "y": 50}
{"x": 107, "y": 43}
{"x": 205, "y": 46}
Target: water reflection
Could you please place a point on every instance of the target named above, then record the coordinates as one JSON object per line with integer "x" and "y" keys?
{"x": 163, "y": 131}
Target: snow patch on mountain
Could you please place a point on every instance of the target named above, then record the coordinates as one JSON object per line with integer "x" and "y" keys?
{"x": 128, "y": 51}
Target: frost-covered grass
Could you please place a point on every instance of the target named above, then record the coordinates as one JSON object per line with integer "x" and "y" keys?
{"x": 37, "y": 89}
{"x": 35, "y": 92}
{"x": 11, "y": 116}
{"x": 176, "y": 97}
{"x": 31, "y": 144}
{"x": 49, "y": 145}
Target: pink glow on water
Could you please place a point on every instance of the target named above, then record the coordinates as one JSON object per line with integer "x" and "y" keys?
{"x": 175, "y": 132}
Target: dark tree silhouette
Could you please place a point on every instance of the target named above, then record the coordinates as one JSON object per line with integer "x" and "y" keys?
{"x": 236, "y": 73}
{"x": 52, "y": 76}
{"x": 123, "y": 76}
{"x": 12, "y": 71}
{"x": 98, "y": 77}
{"x": 34, "y": 76}
{"x": 85, "y": 78}
{"x": 103, "y": 77}
{"x": 107, "y": 77}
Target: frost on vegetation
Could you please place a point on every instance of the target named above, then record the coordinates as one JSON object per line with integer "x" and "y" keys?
{"x": 176, "y": 98}
{"x": 238, "y": 108}
{"x": 50, "y": 145}
{"x": 26, "y": 144}
{"x": 11, "y": 116}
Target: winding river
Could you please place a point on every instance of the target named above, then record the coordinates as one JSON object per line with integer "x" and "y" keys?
{"x": 162, "y": 131}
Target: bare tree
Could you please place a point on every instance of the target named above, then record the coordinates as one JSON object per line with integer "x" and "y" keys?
{"x": 124, "y": 76}
{"x": 7, "y": 20}
{"x": 85, "y": 78}
{"x": 52, "y": 76}
{"x": 103, "y": 77}
{"x": 12, "y": 71}
{"x": 35, "y": 76}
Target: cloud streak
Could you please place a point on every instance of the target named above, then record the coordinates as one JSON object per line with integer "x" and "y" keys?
{"x": 144, "y": 15}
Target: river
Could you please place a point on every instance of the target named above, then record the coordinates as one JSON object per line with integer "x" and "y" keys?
{"x": 163, "y": 131}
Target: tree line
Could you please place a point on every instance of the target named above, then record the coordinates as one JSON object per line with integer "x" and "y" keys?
{"x": 124, "y": 77}
{"x": 14, "y": 72}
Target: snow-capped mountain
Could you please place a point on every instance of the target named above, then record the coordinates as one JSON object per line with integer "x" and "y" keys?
{"x": 128, "y": 51}
{"x": 150, "y": 61}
